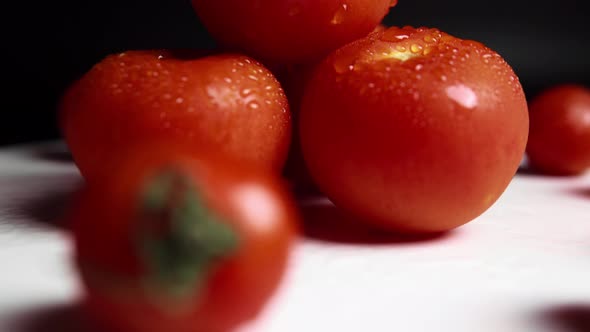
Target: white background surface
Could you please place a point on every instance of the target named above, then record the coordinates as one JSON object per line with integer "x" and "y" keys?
{"x": 522, "y": 266}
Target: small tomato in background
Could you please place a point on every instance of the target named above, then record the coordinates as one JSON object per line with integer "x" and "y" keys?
{"x": 290, "y": 31}
{"x": 173, "y": 242}
{"x": 230, "y": 103}
{"x": 559, "y": 138}
{"x": 414, "y": 130}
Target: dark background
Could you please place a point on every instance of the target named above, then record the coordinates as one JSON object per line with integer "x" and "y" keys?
{"x": 47, "y": 44}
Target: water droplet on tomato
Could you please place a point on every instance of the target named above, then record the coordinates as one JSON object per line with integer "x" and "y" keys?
{"x": 246, "y": 92}
{"x": 415, "y": 48}
{"x": 179, "y": 100}
{"x": 429, "y": 39}
{"x": 462, "y": 95}
{"x": 419, "y": 67}
{"x": 392, "y": 3}
{"x": 253, "y": 105}
{"x": 340, "y": 14}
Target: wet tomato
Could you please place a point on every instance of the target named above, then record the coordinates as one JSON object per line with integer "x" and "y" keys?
{"x": 414, "y": 130}
{"x": 290, "y": 31}
{"x": 228, "y": 102}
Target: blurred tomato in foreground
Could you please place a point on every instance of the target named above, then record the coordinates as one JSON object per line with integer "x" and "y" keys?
{"x": 559, "y": 140}
{"x": 414, "y": 130}
{"x": 176, "y": 243}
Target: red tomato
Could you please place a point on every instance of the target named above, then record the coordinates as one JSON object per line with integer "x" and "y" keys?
{"x": 290, "y": 31}
{"x": 414, "y": 130}
{"x": 228, "y": 102}
{"x": 559, "y": 140}
{"x": 176, "y": 243}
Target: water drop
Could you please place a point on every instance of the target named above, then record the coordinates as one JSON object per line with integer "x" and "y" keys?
{"x": 167, "y": 96}
{"x": 179, "y": 100}
{"x": 392, "y": 3}
{"x": 340, "y": 14}
{"x": 415, "y": 48}
{"x": 246, "y": 92}
{"x": 253, "y": 78}
{"x": 419, "y": 67}
{"x": 227, "y": 80}
{"x": 462, "y": 95}
{"x": 253, "y": 105}
{"x": 429, "y": 39}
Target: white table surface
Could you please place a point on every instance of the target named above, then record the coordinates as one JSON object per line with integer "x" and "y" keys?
{"x": 522, "y": 266}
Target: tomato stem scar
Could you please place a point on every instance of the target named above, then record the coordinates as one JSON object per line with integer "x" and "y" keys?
{"x": 180, "y": 238}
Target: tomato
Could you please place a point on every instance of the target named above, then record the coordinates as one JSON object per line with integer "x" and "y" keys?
{"x": 559, "y": 139}
{"x": 229, "y": 102}
{"x": 290, "y": 31}
{"x": 173, "y": 242}
{"x": 414, "y": 130}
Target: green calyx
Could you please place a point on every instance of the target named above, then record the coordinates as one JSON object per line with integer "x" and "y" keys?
{"x": 179, "y": 238}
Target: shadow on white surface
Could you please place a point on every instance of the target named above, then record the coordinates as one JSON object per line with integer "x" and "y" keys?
{"x": 325, "y": 222}
{"x": 40, "y": 199}
{"x": 63, "y": 318}
{"x": 567, "y": 318}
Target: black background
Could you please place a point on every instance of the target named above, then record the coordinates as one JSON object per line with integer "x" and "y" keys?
{"x": 47, "y": 44}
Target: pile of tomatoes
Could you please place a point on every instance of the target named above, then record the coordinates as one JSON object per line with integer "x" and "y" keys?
{"x": 185, "y": 224}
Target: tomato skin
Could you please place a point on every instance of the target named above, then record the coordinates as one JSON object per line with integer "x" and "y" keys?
{"x": 414, "y": 130}
{"x": 559, "y": 139}
{"x": 105, "y": 224}
{"x": 228, "y": 102}
{"x": 289, "y": 31}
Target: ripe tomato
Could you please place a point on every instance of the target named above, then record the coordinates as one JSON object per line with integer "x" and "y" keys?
{"x": 559, "y": 140}
{"x": 290, "y": 31}
{"x": 414, "y": 130}
{"x": 176, "y": 243}
{"x": 229, "y": 102}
